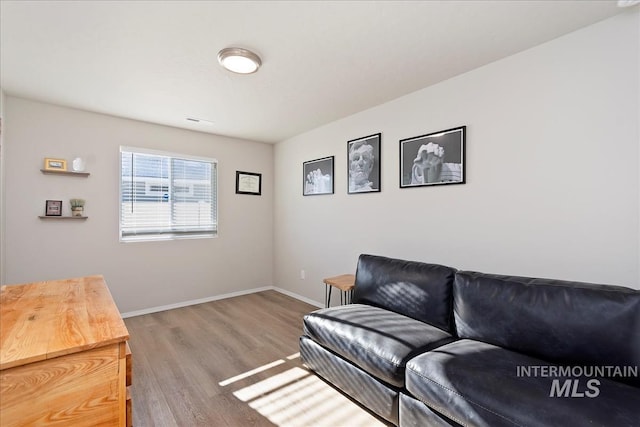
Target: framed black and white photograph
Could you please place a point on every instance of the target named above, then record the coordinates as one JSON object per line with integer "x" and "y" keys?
{"x": 248, "y": 183}
{"x": 363, "y": 156}
{"x": 433, "y": 159}
{"x": 53, "y": 208}
{"x": 317, "y": 176}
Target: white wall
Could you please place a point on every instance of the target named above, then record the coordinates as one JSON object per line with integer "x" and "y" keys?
{"x": 2, "y": 204}
{"x": 552, "y": 172}
{"x": 140, "y": 275}
{"x": 637, "y": 15}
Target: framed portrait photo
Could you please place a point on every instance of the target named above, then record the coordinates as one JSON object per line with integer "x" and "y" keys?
{"x": 53, "y": 208}
{"x": 363, "y": 163}
{"x": 317, "y": 176}
{"x": 248, "y": 183}
{"x": 433, "y": 159}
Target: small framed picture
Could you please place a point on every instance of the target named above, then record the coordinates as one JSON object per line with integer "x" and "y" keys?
{"x": 53, "y": 208}
{"x": 317, "y": 176}
{"x": 248, "y": 183}
{"x": 363, "y": 156}
{"x": 433, "y": 159}
{"x": 55, "y": 164}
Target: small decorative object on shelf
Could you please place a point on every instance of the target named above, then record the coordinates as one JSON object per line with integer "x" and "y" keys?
{"x": 55, "y": 164}
{"x": 53, "y": 208}
{"x": 77, "y": 207}
{"x": 77, "y": 165}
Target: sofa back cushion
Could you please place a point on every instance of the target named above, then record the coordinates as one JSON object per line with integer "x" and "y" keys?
{"x": 421, "y": 291}
{"x": 562, "y": 322}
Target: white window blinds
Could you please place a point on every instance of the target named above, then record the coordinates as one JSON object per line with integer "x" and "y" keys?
{"x": 164, "y": 195}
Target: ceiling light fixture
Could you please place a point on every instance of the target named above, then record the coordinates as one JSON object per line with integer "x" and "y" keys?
{"x": 238, "y": 60}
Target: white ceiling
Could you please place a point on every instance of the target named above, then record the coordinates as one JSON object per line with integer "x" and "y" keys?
{"x": 156, "y": 61}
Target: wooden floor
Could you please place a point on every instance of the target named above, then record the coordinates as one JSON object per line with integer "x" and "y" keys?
{"x": 232, "y": 362}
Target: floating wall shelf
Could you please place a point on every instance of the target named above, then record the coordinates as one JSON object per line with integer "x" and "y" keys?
{"x": 62, "y": 217}
{"x": 70, "y": 173}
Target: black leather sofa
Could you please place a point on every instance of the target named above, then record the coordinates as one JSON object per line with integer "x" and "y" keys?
{"x": 428, "y": 345}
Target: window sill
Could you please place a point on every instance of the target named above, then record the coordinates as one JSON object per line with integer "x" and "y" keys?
{"x": 165, "y": 237}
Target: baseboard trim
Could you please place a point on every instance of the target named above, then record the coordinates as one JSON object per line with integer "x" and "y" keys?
{"x": 299, "y": 297}
{"x": 219, "y": 297}
{"x": 194, "y": 302}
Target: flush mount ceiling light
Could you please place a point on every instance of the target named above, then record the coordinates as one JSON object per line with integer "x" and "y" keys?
{"x": 238, "y": 60}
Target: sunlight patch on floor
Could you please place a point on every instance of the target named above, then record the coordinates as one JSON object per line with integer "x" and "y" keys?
{"x": 272, "y": 383}
{"x": 250, "y": 373}
{"x": 297, "y": 398}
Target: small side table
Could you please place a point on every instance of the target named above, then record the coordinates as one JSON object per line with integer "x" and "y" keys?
{"x": 344, "y": 282}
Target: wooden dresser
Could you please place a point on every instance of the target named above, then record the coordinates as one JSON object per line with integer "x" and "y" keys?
{"x": 64, "y": 358}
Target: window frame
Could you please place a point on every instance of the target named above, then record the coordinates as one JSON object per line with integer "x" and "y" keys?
{"x": 175, "y": 235}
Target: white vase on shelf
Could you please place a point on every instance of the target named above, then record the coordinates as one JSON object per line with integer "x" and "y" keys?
{"x": 78, "y": 164}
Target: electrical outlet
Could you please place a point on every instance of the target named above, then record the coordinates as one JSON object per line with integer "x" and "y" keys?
{"x": 303, "y": 274}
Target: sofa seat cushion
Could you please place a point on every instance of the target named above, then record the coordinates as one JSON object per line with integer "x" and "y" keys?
{"x": 479, "y": 384}
{"x": 378, "y": 341}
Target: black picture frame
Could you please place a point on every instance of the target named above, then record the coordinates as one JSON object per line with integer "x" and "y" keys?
{"x": 53, "y": 208}
{"x": 249, "y": 183}
{"x": 363, "y": 164}
{"x": 436, "y": 158}
{"x": 317, "y": 176}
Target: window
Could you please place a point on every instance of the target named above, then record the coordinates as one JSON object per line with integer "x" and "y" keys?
{"x": 166, "y": 196}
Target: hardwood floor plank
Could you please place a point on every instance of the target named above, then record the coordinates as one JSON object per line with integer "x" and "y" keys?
{"x": 231, "y": 362}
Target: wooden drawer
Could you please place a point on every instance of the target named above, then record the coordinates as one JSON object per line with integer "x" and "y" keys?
{"x": 79, "y": 389}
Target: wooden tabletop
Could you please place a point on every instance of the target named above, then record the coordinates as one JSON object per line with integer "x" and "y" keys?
{"x": 43, "y": 320}
{"x": 344, "y": 282}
